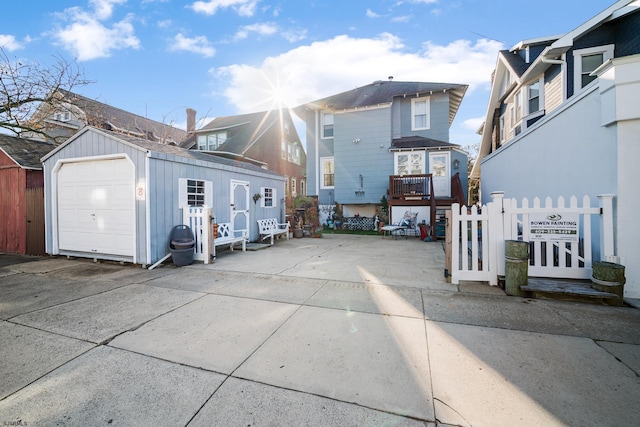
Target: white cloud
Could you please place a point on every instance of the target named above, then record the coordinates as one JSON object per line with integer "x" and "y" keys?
{"x": 210, "y": 7}
{"x": 104, "y": 8}
{"x": 9, "y": 42}
{"x": 89, "y": 38}
{"x": 294, "y": 36}
{"x": 423, "y": 1}
{"x": 401, "y": 19}
{"x": 199, "y": 45}
{"x": 371, "y": 14}
{"x": 264, "y": 29}
{"x": 473, "y": 124}
{"x": 303, "y": 74}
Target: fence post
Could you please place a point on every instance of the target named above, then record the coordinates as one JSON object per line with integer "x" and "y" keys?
{"x": 607, "y": 251}
{"x": 207, "y": 238}
{"x": 496, "y": 235}
{"x": 447, "y": 246}
{"x": 455, "y": 243}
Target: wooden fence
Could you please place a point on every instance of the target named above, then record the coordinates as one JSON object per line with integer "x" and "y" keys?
{"x": 477, "y": 237}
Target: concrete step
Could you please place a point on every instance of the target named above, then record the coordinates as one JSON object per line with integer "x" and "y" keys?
{"x": 567, "y": 289}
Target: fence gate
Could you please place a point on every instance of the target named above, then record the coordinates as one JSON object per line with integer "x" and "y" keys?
{"x": 477, "y": 241}
{"x": 199, "y": 220}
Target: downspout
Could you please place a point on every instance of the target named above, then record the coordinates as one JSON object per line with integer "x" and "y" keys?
{"x": 317, "y": 142}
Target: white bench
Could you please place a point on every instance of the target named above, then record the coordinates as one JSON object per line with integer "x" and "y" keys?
{"x": 226, "y": 236}
{"x": 270, "y": 227}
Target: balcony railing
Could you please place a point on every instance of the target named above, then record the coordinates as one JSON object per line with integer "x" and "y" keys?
{"x": 410, "y": 186}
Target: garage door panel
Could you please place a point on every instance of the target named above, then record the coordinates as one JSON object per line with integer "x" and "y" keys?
{"x": 96, "y": 207}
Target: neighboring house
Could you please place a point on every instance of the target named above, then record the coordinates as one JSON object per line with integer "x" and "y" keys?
{"x": 117, "y": 197}
{"x": 385, "y": 139}
{"x": 267, "y": 138}
{"x": 77, "y": 111}
{"x": 563, "y": 120}
{"x": 21, "y": 195}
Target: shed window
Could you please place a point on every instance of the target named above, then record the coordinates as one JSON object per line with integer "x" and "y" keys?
{"x": 268, "y": 199}
{"x": 195, "y": 192}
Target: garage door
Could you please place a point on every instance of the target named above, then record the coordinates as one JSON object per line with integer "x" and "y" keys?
{"x": 96, "y": 207}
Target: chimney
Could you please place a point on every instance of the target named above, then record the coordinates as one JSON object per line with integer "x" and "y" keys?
{"x": 191, "y": 120}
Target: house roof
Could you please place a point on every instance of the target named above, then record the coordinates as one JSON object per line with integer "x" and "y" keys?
{"x": 384, "y": 92}
{"x": 420, "y": 142}
{"x": 25, "y": 152}
{"x": 105, "y": 115}
{"x": 515, "y": 61}
{"x": 173, "y": 150}
{"x": 248, "y": 129}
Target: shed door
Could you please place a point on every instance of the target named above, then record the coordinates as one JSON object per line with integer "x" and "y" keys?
{"x": 96, "y": 207}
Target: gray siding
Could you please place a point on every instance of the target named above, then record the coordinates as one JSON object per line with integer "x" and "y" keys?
{"x": 439, "y": 120}
{"x": 370, "y": 157}
{"x": 553, "y": 89}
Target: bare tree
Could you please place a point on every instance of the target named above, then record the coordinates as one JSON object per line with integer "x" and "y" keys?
{"x": 26, "y": 86}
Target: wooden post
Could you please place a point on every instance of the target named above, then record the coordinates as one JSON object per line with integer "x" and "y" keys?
{"x": 447, "y": 247}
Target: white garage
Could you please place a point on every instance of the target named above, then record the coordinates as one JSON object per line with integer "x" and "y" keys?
{"x": 95, "y": 206}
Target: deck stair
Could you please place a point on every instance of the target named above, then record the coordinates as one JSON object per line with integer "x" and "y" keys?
{"x": 568, "y": 290}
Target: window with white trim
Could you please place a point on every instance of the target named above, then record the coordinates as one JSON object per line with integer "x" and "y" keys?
{"x": 283, "y": 150}
{"x": 294, "y": 184}
{"x": 501, "y": 129}
{"x": 327, "y": 172}
{"x": 327, "y": 125}
{"x": 303, "y": 190}
{"x": 585, "y": 61}
{"x": 420, "y": 119}
{"x": 195, "y": 192}
{"x": 410, "y": 163}
{"x": 533, "y": 97}
{"x": 62, "y": 116}
{"x": 212, "y": 141}
{"x": 268, "y": 199}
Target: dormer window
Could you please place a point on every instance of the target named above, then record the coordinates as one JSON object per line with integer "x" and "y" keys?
{"x": 62, "y": 116}
{"x": 211, "y": 142}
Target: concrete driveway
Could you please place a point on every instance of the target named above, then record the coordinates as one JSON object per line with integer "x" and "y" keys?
{"x": 342, "y": 330}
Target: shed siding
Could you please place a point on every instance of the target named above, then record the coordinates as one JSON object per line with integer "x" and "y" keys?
{"x": 94, "y": 144}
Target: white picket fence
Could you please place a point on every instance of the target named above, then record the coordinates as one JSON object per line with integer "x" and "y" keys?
{"x": 477, "y": 240}
{"x": 199, "y": 220}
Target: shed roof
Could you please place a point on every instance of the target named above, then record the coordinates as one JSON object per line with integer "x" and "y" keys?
{"x": 173, "y": 150}
{"x": 25, "y": 153}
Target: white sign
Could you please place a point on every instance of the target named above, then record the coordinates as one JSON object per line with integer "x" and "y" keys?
{"x": 140, "y": 193}
{"x": 554, "y": 227}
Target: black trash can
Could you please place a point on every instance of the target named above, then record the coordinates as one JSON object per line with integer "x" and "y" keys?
{"x": 182, "y": 245}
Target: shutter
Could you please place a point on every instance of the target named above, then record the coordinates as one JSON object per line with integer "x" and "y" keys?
{"x": 208, "y": 193}
{"x": 262, "y": 198}
{"x": 182, "y": 192}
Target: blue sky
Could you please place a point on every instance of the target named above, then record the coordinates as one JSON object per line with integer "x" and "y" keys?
{"x": 224, "y": 57}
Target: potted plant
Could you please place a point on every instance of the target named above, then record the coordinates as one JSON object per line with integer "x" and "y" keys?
{"x": 337, "y": 216}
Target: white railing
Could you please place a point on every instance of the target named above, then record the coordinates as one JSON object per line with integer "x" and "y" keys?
{"x": 477, "y": 241}
{"x": 199, "y": 220}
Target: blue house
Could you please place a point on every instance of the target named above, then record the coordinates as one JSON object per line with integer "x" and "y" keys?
{"x": 386, "y": 139}
{"x": 563, "y": 119}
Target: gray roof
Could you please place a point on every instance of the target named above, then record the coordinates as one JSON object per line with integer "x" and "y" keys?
{"x": 106, "y": 116}
{"x": 515, "y": 61}
{"x": 187, "y": 154}
{"x": 383, "y": 92}
{"x": 420, "y": 142}
{"x": 25, "y": 152}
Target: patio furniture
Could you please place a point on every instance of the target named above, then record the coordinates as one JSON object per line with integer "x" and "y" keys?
{"x": 269, "y": 227}
{"x": 227, "y": 236}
